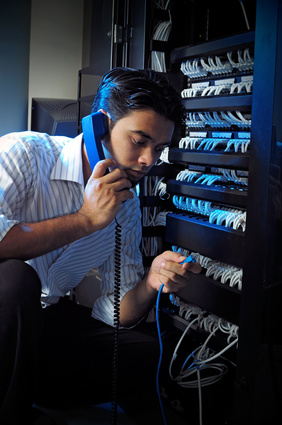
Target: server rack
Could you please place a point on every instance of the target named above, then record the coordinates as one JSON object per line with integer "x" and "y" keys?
{"x": 256, "y": 387}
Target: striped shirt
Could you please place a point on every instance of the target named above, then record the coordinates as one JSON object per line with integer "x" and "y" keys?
{"x": 41, "y": 178}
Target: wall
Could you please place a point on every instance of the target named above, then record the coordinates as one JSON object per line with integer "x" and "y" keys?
{"x": 55, "y": 48}
{"x": 40, "y": 55}
{"x": 14, "y": 64}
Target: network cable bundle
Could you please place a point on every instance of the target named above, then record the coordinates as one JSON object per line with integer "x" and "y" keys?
{"x": 214, "y": 150}
{"x": 153, "y": 216}
{"x": 207, "y": 219}
{"x": 161, "y": 33}
{"x": 203, "y": 366}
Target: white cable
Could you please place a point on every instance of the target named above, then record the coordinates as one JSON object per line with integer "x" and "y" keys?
{"x": 245, "y": 15}
{"x": 161, "y": 218}
{"x": 161, "y": 33}
{"x": 200, "y": 396}
{"x": 164, "y": 156}
{"x": 202, "y": 354}
{"x": 174, "y": 355}
{"x": 220, "y": 353}
{"x": 245, "y": 63}
{"x": 214, "y": 269}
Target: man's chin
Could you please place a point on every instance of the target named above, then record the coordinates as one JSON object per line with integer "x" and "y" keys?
{"x": 134, "y": 179}
{"x": 133, "y": 182}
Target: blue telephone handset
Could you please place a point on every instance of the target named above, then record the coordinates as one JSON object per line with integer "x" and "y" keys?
{"x": 94, "y": 127}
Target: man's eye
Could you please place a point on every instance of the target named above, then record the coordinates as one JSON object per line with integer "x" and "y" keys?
{"x": 138, "y": 142}
{"x": 161, "y": 148}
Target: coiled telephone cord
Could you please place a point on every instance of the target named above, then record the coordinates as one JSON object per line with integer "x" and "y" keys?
{"x": 116, "y": 320}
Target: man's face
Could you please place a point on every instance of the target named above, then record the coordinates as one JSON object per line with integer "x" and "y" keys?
{"x": 136, "y": 142}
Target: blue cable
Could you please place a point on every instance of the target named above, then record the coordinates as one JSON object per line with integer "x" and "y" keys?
{"x": 161, "y": 351}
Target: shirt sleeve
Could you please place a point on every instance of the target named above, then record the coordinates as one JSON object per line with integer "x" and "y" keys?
{"x": 131, "y": 269}
{"x": 15, "y": 177}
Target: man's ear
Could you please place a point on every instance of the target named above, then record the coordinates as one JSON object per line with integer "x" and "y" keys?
{"x": 108, "y": 115}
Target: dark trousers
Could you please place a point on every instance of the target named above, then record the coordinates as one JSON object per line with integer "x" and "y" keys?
{"x": 59, "y": 356}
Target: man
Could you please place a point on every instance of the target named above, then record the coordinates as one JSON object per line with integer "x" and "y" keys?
{"x": 57, "y": 222}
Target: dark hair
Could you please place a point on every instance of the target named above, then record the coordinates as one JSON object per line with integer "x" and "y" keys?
{"x": 123, "y": 90}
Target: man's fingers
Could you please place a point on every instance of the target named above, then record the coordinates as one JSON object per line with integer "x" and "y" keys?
{"x": 101, "y": 167}
{"x": 193, "y": 267}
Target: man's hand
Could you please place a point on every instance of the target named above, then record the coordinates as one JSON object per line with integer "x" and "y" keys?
{"x": 104, "y": 193}
{"x": 166, "y": 269}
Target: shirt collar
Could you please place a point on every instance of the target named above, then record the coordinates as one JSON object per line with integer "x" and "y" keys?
{"x": 69, "y": 163}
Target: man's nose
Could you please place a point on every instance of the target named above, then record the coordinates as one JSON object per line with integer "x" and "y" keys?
{"x": 147, "y": 157}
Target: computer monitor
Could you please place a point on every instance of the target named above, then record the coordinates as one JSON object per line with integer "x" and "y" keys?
{"x": 54, "y": 116}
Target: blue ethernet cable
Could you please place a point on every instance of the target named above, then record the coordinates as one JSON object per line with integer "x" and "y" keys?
{"x": 161, "y": 352}
{"x": 189, "y": 259}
